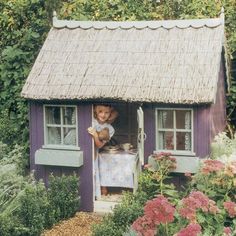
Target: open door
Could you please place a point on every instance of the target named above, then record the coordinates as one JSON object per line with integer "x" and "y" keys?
{"x": 140, "y": 147}
{"x": 141, "y": 135}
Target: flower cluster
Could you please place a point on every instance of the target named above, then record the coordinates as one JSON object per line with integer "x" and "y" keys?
{"x": 230, "y": 207}
{"x": 196, "y": 200}
{"x": 190, "y": 230}
{"x": 227, "y": 231}
{"x": 165, "y": 161}
{"x": 160, "y": 210}
{"x": 230, "y": 169}
{"x": 156, "y": 211}
{"x": 144, "y": 226}
{"x": 210, "y": 166}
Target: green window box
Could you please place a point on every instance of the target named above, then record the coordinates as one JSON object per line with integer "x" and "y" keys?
{"x": 185, "y": 164}
{"x": 59, "y": 157}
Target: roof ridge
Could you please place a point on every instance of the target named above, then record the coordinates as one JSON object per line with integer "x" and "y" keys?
{"x": 167, "y": 24}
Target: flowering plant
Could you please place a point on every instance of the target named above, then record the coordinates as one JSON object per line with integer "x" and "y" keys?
{"x": 216, "y": 179}
{"x": 208, "y": 209}
{"x": 194, "y": 215}
{"x": 153, "y": 180}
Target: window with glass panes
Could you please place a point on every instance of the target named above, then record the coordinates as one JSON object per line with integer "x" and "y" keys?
{"x": 174, "y": 130}
{"x": 60, "y": 125}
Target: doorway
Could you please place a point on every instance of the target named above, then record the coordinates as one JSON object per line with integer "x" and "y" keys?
{"x": 119, "y": 168}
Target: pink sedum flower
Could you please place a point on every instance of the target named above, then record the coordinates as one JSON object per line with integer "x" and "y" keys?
{"x": 212, "y": 166}
{"x": 187, "y": 174}
{"x": 190, "y": 230}
{"x": 227, "y": 231}
{"x": 196, "y": 200}
{"x": 160, "y": 210}
{"x": 230, "y": 207}
{"x": 144, "y": 226}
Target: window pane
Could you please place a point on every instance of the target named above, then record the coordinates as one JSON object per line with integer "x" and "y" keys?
{"x": 183, "y": 141}
{"x": 52, "y": 115}
{"x": 165, "y": 119}
{"x": 69, "y": 136}
{"x": 53, "y": 135}
{"x": 69, "y": 115}
{"x": 166, "y": 140}
{"x": 183, "y": 119}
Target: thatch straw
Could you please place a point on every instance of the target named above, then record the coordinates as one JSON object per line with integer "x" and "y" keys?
{"x": 171, "y": 64}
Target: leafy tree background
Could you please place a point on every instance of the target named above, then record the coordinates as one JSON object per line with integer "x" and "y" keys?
{"x": 24, "y": 25}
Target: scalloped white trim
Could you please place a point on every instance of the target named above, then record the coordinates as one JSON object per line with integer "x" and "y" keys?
{"x": 167, "y": 24}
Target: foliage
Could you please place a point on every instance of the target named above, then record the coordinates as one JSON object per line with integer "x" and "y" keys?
{"x": 63, "y": 195}
{"x": 24, "y": 26}
{"x": 216, "y": 179}
{"x": 153, "y": 180}
{"x": 123, "y": 215}
{"x": 11, "y": 183}
{"x": 130, "y": 208}
{"x": 12, "y": 186}
{"x": 223, "y": 148}
{"x": 106, "y": 228}
{"x": 3, "y": 150}
{"x": 26, "y": 207}
{"x": 33, "y": 208}
{"x": 193, "y": 215}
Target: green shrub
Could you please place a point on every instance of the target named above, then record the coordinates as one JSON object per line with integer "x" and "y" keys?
{"x": 147, "y": 184}
{"x": 10, "y": 225}
{"x": 3, "y": 150}
{"x": 33, "y": 208}
{"x": 106, "y": 228}
{"x": 63, "y": 196}
{"x": 30, "y": 206}
{"x": 129, "y": 210}
{"x": 223, "y": 146}
{"x": 123, "y": 215}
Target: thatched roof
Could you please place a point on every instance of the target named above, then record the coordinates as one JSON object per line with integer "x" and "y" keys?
{"x": 175, "y": 61}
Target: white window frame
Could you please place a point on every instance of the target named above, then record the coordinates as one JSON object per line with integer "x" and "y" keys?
{"x": 60, "y": 146}
{"x": 175, "y": 152}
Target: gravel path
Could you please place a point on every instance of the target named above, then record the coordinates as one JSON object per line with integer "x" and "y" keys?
{"x": 79, "y": 225}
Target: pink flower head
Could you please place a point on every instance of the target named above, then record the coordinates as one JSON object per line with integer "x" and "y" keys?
{"x": 196, "y": 200}
{"x": 230, "y": 207}
{"x": 161, "y": 155}
{"x": 230, "y": 169}
{"x": 227, "y": 231}
{"x": 188, "y": 174}
{"x": 147, "y": 166}
{"x": 212, "y": 166}
{"x": 190, "y": 230}
{"x": 160, "y": 210}
{"x": 144, "y": 226}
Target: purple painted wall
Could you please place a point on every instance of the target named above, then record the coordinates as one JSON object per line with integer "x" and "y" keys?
{"x": 86, "y": 174}
{"x": 85, "y": 142}
{"x": 210, "y": 119}
{"x": 218, "y": 110}
{"x": 36, "y": 137}
{"x": 201, "y": 131}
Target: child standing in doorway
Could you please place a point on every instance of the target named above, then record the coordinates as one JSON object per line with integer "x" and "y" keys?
{"x": 104, "y": 115}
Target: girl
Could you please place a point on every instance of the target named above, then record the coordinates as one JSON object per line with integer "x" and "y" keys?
{"x": 104, "y": 115}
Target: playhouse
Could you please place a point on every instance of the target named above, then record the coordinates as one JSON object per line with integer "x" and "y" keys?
{"x": 166, "y": 79}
